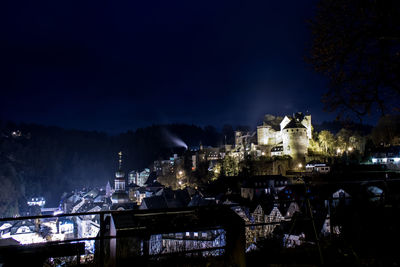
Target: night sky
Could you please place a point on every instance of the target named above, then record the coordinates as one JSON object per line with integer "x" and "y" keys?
{"x": 121, "y": 65}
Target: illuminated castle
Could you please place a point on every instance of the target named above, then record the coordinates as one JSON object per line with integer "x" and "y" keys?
{"x": 291, "y": 139}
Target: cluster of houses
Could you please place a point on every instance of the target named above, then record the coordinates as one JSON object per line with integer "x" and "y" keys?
{"x": 140, "y": 191}
{"x": 387, "y": 156}
{"x": 268, "y": 205}
{"x": 280, "y": 206}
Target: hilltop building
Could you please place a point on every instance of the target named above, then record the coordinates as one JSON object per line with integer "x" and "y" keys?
{"x": 291, "y": 139}
{"x": 133, "y": 177}
{"x": 287, "y": 136}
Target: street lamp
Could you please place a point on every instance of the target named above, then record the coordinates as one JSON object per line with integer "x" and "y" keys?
{"x": 300, "y": 165}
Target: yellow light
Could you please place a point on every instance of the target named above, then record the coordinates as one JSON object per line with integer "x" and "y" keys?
{"x": 350, "y": 149}
{"x": 300, "y": 165}
{"x": 180, "y": 172}
{"x": 263, "y": 153}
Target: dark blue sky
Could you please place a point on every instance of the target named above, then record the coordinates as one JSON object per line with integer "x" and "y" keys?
{"x": 126, "y": 64}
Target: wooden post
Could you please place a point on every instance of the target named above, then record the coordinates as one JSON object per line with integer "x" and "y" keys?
{"x": 102, "y": 229}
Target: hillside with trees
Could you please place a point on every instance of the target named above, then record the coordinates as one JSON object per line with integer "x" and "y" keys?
{"x": 46, "y": 161}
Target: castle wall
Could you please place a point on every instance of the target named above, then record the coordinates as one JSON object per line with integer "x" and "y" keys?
{"x": 267, "y": 136}
{"x": 279, "y": 167}
{"x": 307, "y": 123}
{"x": 238, "y": 140}
{"x": 277, "y": 138}
{"x": 263, "y": 135}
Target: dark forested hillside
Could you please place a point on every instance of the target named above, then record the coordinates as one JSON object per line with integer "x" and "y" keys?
{"x": 41, "y": 160}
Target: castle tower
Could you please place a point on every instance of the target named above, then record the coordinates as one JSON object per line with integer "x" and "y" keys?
{"x": 295, "y": 138}
{"x": 263, "y": 135}
{"x": 307, "y": 123}
{"x": 239, "y": 138}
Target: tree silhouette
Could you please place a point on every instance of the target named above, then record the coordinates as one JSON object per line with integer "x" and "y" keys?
{"x": 356, "y": 45}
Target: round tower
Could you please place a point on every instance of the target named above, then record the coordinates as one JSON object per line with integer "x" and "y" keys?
{"x": 295, "y": 139}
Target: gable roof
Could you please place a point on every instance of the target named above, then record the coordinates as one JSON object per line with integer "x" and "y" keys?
{"x": 288, "y": 209}
{"x": 154, "y": 202}
{"x": 262, "y": 181}
{"x": 198, "y": 200}
{"x": 19, "y": 224}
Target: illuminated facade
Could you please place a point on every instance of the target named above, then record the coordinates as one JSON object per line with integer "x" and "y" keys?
{"x": 292, "y": 139}
{"x": 39, "y": 201}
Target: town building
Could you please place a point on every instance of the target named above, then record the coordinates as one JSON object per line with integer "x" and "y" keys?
{"x": 317, "y": 167}
{"x": 38, "y": 201}
{"x": 389, "y": 156}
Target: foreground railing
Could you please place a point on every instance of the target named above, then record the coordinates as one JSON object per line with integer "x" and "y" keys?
{"x": 105, "y": 238}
